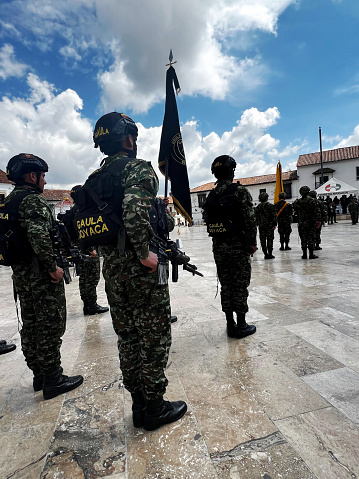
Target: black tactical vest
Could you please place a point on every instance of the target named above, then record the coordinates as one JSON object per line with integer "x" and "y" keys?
{"x": 99, "y": 217}
{"x": 223, "y": 213}
{"x": 14, "y": 245}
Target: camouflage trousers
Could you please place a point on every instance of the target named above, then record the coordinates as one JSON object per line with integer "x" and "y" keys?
{"x": 234, "y": 273}
{"x": 307, "y": 235}
{"x": 140, "y": 311}
{"x": 354, "y": 217}
{"x": 266, "y": 236}
{"x": 43, "y": 314}
{"x": 89, "y": 279}
{"x": 284, "y": 230}
{"x": 318, "y": 232}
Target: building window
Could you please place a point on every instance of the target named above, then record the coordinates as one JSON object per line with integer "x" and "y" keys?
{"x": 319, "y": 181}
{"x": 357, "y": 168}
{"x": 262, "y": 190}
{"x": 201, "y": 200}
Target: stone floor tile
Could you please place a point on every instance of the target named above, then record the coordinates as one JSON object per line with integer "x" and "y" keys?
{"x": 277, "y": 390}
{"x": 340, "y": 387}
{"x": 334, "y": 343}
{"x": 326, "y": 440}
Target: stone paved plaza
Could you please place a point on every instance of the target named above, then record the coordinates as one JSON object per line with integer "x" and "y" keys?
{"x": 283, "y": 403}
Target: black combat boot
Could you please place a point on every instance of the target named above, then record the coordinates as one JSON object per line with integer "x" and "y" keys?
{"x": 138, "y": 408}
{"x": 270, "y": 256}
{"x": 173, "y": 319}
{"x": 56, "y": 384}
{"x": 281, "y": 246}
{"x": 311, "y": 254}
{"x": 7, "y": 348}
{"x": 93, "y": 308}
{"x": 38, "y": 379}
{"x": 317, "y": 247}
{"x": 231, "y": 325}
{"x": 304, "y": 256}
{"x": 287, "y": 248}
{"x": 244, "y": 329}
{"x": 265, "y": 252}
{"x": 159, "y": 412}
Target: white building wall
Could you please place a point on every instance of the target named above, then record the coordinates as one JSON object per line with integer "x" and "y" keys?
{"x": 6, "y": 188}
{"x": 345, "y": 170}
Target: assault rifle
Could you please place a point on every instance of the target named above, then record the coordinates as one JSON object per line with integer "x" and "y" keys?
{"x": 167, "y": 250}
{"x": 66, "y": 254}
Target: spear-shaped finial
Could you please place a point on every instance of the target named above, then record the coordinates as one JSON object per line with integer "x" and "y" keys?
{"x": 170, "y": 59}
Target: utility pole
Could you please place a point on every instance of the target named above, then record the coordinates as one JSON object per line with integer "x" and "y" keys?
{"x": 321, "y": 156}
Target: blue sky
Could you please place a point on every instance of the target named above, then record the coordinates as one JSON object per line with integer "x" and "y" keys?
{"x": 258, "y": 78}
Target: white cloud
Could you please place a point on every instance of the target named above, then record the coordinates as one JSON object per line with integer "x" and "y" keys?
{"x": 351, "y": 140}
{"x": 49, "y": 125}
{"x": 139, "y": 40}
{"x": 9, "y": 66}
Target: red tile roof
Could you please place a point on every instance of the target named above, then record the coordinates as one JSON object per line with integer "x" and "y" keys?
{"x": 57, "y": 195}
{"x": 347, "y": 153}
{"x": 251, "y": 181}
{"x": 3, "y": 178}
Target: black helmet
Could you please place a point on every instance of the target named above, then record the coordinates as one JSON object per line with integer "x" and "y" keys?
{"x": 282, "y": 196}
{"x": 223, "y": 167}
{"x": 263, "y": 196}
{"x": 312, "y": 193}
{"x": 111, "y": 129}
{"x": 24, "y": 163}
{"x": 304, "y": 190}
{"x": 74, "y": 192}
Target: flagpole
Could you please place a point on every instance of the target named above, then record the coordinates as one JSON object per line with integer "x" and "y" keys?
{"x": 170, "y": 57}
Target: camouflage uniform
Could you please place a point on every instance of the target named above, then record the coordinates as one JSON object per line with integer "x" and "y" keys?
{"x": 308, "y": 212}
{"x": 231, "y": 254}
{"x": 89, "y": 279}
{"x": 323, "y": 219}
{"x": 43, "y": 303}
{"x": 284, "y": 219}
{"x": 140, "y": 307}
{"x": 266, "y": 218}
{"x": 353, "y": 210}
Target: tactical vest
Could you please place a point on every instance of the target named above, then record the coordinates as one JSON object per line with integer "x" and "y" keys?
{"x": 99, "y": 217}
{"x": 223, "y": 213}
{"x": 68, "y": 218}
{"x": 14, "y": 245}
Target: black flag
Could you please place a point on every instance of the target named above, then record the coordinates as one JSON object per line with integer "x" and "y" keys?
{"x": 171, "y": 156}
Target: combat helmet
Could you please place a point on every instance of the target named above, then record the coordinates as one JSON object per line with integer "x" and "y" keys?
{"x": 24, "y": 163}
{"x": 312, "y": 193}
{"x": 282, "y": 196}
{"x": 304, "y": 190}
{"x": 223, "y": 167}
{"x": 74, "y": 193}
{"x": 111, "y": 129}
{"x": 263, "y": 196}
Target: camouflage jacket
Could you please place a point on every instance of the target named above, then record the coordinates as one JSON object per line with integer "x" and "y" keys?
{"x": 140, "y": 184}
{"x": 35, "y": 217}
{"x": 308, "y": 210}
{"x": 266, "y": 215}
{"x": 285, "y": 215}
{"x": 353, "y": 207}
{"x": 245, "y": 214}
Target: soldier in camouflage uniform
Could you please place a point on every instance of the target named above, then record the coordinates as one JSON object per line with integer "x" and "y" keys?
{"x": 284, "y": 212}
{"x": 228, "y": 212}
{"x": 308, "y": 220}
{"x": 353, "y": 210}
{"x": 89, "y": 272}
{"x": 38, "y": 280}
{"x": 323, "y": 218}
{"x": 266, "y": 218}
{"x": 140, "y": 307}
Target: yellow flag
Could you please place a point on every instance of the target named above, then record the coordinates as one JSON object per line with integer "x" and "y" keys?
{"x": 278, "y": 183}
